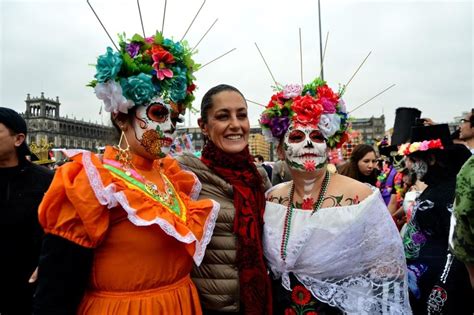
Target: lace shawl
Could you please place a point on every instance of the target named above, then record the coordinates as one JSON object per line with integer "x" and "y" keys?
{"x": 350, "y": 257}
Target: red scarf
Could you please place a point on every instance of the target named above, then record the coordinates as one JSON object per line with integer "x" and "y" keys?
{"x": 240, "y": 171}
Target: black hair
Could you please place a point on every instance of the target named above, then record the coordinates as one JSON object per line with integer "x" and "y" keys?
{"x": 206, "y": 103}
{"x": 259, "y": 157}
{"x": 351, "y": 168}
{"x": 122, "y": 117}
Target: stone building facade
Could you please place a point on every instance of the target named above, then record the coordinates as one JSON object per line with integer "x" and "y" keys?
{"x": 371, "y": 129}
{"x": 44, "y": 121}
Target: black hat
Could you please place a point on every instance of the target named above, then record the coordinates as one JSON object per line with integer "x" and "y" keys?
{"x": 405, "y": 118}
{"x": 432, "y": 132}
{"x": 13, "y": 121}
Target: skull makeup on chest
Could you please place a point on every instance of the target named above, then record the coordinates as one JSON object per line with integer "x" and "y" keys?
{"x": 305, "y": 147}
{"x": 154, "y": 127}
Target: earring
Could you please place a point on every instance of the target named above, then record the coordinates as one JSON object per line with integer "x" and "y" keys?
{"x": 123, "y": 155}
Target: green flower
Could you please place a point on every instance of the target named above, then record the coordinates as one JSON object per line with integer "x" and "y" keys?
{"x": 138, "y": 88}
{"x": 108, "y": 66}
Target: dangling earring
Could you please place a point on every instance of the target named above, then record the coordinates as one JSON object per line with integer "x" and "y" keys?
{"x": 123, "y": 155}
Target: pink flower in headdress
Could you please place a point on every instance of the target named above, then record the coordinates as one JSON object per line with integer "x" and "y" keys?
{"x": 424, "y": 146}
{"x": 162, "y": 59}
{"x": 328, "y": 99}
{"x": 150, "y": 39}
{"x": 292, "y": 90}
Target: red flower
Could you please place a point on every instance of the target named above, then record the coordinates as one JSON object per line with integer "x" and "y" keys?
{"x": 308, "y": 204}
{"x": 277, "y": 98}
{"x": 290, "y": 311}
{"x": 344, "y": 139}
{"x": 311, "y": 313}
{"x": 328, "y": 99}
{"x": 307, "y": 110}
{"x": 300, "y": 295}
{"x": 309, "y": 165}
{"x": 435, "y": 144}
{"x": 162, "y": 59}
{"x": 191, "y": 88}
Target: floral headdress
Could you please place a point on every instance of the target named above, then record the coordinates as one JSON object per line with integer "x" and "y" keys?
{"x": 315, "y": 104}
{"x": 144, "y": 69}
{"x": 409, "y": 148}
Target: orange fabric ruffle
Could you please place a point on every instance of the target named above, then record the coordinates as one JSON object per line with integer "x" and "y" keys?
{"x": 76, "y": 206}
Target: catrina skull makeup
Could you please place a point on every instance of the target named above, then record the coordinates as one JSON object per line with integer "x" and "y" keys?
{"x": 154, "y": 128}
{"x": 305, "y": 148}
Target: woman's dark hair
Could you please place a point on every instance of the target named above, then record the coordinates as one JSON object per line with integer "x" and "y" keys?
{"x": 122, "y": 117}
{"x": 351, "y": 169}
{"x": 206, "y": 103}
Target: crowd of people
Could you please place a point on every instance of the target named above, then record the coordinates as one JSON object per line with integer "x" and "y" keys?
{"x": 135, "y": 230}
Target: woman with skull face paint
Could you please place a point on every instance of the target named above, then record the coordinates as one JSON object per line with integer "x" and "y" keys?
{"x": 329, "y": 240}
{"x": 438, "y": 282}
{"x": 123, "y": 230}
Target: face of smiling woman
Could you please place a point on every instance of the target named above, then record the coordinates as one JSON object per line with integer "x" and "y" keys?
{"x": 151, "y": 131}
{"x": 227, "y": 124}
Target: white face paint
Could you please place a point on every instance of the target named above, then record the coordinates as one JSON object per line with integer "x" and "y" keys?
{"x": 305, "y": 148}
{"x": 154, "y": 128}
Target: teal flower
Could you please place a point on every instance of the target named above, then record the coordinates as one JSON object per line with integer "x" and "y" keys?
{"x": 175, "y": 48}
{"x": 179, "y": 85}
{"x": 108, "y": 66}
{"x": 138, "y": 88}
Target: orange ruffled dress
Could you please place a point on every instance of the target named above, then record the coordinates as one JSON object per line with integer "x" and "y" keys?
{"x": 143, "y": 248}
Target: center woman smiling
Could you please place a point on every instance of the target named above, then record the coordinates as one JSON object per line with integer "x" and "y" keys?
{"x": 233, "y": 277}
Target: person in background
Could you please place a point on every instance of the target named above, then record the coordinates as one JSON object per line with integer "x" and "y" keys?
{"x": 261, "y": 161}
{"x": 466, "y": 130}
{"x": 22, "y": 187}
{"x": 233, "y": 277}
{"x": 438, "y": 282}
{"x": 122, "y": 229}
{"x": 280, "y": 173}
{"x": 462, "y": 226}
{"x": 362, "y": 165}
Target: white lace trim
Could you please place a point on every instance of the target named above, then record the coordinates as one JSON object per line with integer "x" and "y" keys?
{"x": 350, "y": 257}
{"x": 197, "y": 186}
{"x": 108, "y": 196}
{"x": 207, "y": 233}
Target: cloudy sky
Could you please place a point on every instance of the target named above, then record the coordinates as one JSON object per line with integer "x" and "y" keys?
{"x": 424, "y": 47}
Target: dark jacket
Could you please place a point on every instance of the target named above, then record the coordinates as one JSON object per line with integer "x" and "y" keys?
{"x": 217, "y": 279}
{"x": 21, "y": 190}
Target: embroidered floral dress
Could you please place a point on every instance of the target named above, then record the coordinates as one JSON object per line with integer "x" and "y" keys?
{"x": 144, "y": 246}
{"x": 345, "y": 259}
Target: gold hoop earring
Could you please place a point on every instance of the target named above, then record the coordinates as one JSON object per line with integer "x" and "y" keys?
{"x": 124, "y": 156}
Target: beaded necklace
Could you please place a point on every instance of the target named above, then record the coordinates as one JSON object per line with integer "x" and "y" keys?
{"x": 289, "y": 212}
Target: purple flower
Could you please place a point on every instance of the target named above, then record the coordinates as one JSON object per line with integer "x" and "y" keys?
{"x": 279, "y": 125}
{"x": 133, "y": 49}
{"x": 418, "y": 238}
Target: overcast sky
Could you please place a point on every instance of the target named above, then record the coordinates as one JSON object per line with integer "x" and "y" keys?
{"x": 424, "y": 47}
